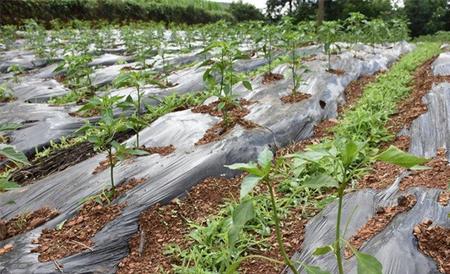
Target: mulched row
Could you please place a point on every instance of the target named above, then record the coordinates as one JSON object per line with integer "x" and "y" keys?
{"x": 25, "y": 222}
{"x": 378, "y": 222}
{"x": 161, "y": 225}
{"x": 75, "y": 234}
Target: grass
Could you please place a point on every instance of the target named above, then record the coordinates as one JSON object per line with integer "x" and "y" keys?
{"x": 366, "y": 121}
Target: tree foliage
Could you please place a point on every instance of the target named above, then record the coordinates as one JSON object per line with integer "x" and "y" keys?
{"x": 427, "y": 16}
{"x": 245, "y": 12}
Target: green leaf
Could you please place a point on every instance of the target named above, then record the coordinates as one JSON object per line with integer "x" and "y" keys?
{"x": 349, "y": 153}
{"x": 247, "y": 85}
{"x": 60, "y": 225}
{"x": 9, "y": 126}
{"x": 419, "y": 168}
{"x": 322, "y": 250}
{"x": 396, "y": 156}
{"x": 319, "y": 181}
{"x": 265, "y": 158}
{"x": 248, "y": 183}
{"x": 312, "y": 155}
{"x": 12, "y": 154}
{"x": 241, "y": 215}
{"x": 367, "y": 264}
{"x": 251, "y": 168}
{"x": 7, "y": 185}
{"x": 311, "y": 269}
{"x": 232, "y": 268}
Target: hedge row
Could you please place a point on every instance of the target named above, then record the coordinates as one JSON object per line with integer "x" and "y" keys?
{"x": 44, "y": 11}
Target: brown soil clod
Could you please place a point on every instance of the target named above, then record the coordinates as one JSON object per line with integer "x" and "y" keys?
{"x": 444, "y": 198}
{"x": 25, "y": 222}
{"x": 163, "y": 151}
{"x": 295, "y": 97}
{"x": 6, "y": 248}
{"x": 381, "y": 176}
{"x": 434, "y": 242}
{"x": 74, "y": 235}
{"x": 270, "y": 77}
{"x": 377, "y": 223}
{"x": 336, "y": 71}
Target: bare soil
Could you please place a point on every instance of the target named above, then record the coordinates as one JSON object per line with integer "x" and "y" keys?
{"x": 377, "y": 223}
{"x": 169, "y": 224}
{"x": 25, "y": 222}
{"x": 236, "y": 114}
{"x": 354, "y": 91}
{"x": 75, "y": 234}
{"x": 270, "y": 77}
{"x": 294, "y": 97}
{"x": 163, "y": 151}
{"x": 434, "y": 241}
{"x": 336, "y": 71}
{"x": 438, "y": 176}
{"x": 6, "y": 248}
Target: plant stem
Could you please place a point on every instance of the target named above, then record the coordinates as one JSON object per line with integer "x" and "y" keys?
{"x": 338, "y": 226}
{"x": 110, "y": 157}
{"x": 138, "y": 113}
{"x": 329, "y": 59}
{"x": 286, "y": 258}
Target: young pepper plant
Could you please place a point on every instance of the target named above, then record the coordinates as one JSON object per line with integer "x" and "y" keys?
{"x": 291, "y": 38}
{"x": 259, "y": 174}
{"x": 328, "y": 34}
{"x": 136, "y": 79}
{"x": 222, "y": 66}
{"x": 102, "y": 135}
{"x": 268, "y": 38}
{"x": 337, "y": 163}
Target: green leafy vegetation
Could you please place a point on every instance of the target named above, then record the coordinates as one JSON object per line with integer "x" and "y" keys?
{"x": 228, "y": 78}
{"x": 9, "y": 153}
{"x": 185, "y": 11}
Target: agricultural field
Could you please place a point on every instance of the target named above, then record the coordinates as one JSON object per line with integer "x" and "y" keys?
{"x": 224, "y": 148}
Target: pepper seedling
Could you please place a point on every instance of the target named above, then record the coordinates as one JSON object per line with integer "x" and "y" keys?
{"x": 222, "y": 66}
{"x": 138, "y": 80}
{"x": 103, "y": 134}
